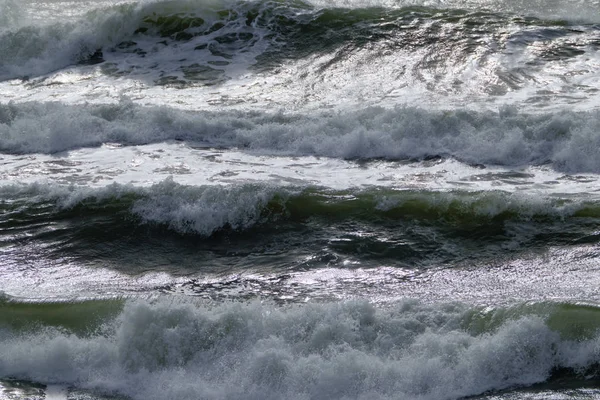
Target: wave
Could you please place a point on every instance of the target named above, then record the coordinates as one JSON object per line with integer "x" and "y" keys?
{"x": 205, "y": 210}
{"x": 350, "y": 350}
{"x": 10, "y": 14}
{"x": 190, "y": 229}
{"x": 185, "y": 209}
{"x": 197, "y": 43}
{"x": 507, "y": 137}
{"x": 224, "y": 26}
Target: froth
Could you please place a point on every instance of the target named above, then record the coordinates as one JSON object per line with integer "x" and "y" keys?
{"x": 185, "y": 209}
{"x": 506, "y": 137}
{"x": 205, "y": 210}
{"x": 341, "y": 350}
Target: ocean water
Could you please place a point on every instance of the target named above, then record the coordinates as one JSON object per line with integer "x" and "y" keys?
{"x": 299, "y": 199}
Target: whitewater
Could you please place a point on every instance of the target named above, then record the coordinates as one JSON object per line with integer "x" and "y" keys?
{"x": 299, "y": 199}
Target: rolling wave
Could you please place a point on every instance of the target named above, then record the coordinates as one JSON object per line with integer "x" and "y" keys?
{"x": 507, "y": 137}
{"x": 153, "y": 350}
{"x": 410, "y": 227}
{"x": 207, "y": 209}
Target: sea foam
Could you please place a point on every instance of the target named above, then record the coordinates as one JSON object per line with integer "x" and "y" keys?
{"x": 39, "y": 47}
{"x": 347, "y": 350}
{"x": 505, "y": 137}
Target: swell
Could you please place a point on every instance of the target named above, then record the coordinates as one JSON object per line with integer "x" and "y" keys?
{"x": 508, "y": 137}
{"x": 183, "y": 228}
{"x": 151, "y": 350}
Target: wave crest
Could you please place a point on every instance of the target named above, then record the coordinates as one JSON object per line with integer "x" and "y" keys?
{"x": 205, "y": 210}
{"x": 507, "y": 137}
{"x": 337, "y": 350}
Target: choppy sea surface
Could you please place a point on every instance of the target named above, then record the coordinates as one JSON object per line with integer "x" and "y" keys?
{"x": 299, "y": 199}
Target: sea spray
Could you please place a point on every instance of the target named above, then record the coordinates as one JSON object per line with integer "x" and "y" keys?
{"x": 337, "y": 350}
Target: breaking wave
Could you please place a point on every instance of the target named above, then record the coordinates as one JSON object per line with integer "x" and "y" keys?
{"x": 507, "y": 137}
{"x": 346, "y": 350}
{"x": 205, "y": 210}
{"x": 205, "y": 43}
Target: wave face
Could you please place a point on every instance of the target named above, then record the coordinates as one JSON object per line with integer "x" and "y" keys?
{"x": 283, "y": 228}
{"x": 508, "y": 137}
{"x": 228, "y": 27}
{"x": 205, "y": 210}
{"x": 341, "y": 350}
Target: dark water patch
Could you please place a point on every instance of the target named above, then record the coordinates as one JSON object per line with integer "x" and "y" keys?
{"x": 218, "y": 229}
{"x": 175, "y": 25}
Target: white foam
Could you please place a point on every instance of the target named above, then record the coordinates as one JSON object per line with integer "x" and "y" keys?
{"x": 189, "y": 165}
{"x": 506, "y": 137}
{"x": 333, "y": 351}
